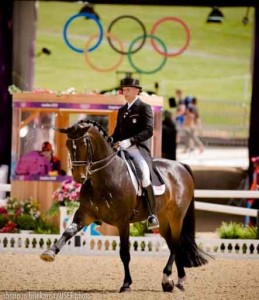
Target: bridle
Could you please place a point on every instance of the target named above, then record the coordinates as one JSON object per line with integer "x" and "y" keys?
{"x": 90, "y": 165}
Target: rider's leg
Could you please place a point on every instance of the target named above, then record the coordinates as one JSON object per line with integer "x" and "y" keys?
{"x": 144, "y": 172}
{"x": 152, "y": 221}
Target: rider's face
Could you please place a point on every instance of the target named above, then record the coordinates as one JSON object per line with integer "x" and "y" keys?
{"x": 130, "y": 93}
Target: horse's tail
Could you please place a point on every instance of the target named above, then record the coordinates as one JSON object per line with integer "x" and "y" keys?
{"x": 192, "y": 256}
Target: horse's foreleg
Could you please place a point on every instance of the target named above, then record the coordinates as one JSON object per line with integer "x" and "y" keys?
{"x": 125, "y": 257}
{"x": 74, "y": 228}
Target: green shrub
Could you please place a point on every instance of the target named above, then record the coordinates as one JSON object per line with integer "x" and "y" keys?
{"x": 234, "y": 230}
{"x": 138, "y": 229}
{"x": 45, "y": 227}
{"x": 25, "y": 222}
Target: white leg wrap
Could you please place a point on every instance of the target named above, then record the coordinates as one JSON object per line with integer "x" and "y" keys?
{"x": 166, "y": 279}
{"x": 181, "y": 281}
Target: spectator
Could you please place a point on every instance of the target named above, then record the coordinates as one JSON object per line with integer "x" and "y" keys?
{"x": 197, "y": 118}
{"x": 180, "y": 111}
{"x": 47, "y": 151}
{"x": 191, "y": 139}
{"x": 41, "y": 162}
{"x": 168, "y": 136}
{"x": 254, "y": 203}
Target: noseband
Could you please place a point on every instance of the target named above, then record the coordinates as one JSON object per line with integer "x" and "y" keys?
{"x": 91, "y": 166}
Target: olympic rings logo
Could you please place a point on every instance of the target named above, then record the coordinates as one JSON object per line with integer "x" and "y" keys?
{"x": 120, "y": 48}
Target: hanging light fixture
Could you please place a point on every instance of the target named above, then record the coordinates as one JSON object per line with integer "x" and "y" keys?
{"x": 245, "y": 20}
{"x": 215, "y": 16}
{"x": 89, "y": 8}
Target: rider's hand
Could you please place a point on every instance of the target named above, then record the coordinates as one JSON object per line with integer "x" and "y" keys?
{"x": 125, "y": 144}
{"x": 116, "y": 146}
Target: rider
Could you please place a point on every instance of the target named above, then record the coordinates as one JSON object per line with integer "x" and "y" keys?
{"x": 133, "y": 130}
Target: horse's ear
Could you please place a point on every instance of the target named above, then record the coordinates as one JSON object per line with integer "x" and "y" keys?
{"x": 62, "y": 130}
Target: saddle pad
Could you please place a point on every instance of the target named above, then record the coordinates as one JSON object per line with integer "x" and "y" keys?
{"x": 158, "y": 190}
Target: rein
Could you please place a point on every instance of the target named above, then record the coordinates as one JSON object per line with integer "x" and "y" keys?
{"x": 91, "y": 166}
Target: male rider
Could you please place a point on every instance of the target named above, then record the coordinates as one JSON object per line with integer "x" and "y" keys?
{"x": 133, "y": 129}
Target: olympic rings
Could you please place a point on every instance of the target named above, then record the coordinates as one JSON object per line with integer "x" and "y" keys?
{"x": 108, "y": 34}
{"x": 130, "y": 51}
{"x": 174, "y": 19}
{"x": 90, "y": 16}
{"x": 159, "y": 67}
{"x": 141, "y": 25}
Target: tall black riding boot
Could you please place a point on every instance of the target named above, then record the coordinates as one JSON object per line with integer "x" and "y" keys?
{"x": 152, "y": 221}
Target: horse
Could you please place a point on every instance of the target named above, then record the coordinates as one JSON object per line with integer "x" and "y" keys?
{"x": 107, "y": 194}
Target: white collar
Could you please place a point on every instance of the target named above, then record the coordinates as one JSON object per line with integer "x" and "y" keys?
{"x": 130, "y": 104}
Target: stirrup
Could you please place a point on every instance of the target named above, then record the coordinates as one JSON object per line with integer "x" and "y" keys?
{"x": 152, "y": 222}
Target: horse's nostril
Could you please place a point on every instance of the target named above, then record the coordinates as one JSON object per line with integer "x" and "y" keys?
{"x": 83, "y": 179}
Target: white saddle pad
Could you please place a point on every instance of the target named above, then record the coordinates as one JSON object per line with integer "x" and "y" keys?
{"x": 158, "y": 190}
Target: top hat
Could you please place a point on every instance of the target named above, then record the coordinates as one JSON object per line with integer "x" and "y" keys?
{"x": 130, "y": 82}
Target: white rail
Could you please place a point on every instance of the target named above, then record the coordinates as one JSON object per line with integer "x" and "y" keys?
{"x": 5, "y": 187}
{"x": 226, "y": 209}
{"x": 226, "y": 194}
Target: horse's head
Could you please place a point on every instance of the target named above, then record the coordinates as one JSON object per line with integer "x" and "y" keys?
{"x": 87, "y": 143}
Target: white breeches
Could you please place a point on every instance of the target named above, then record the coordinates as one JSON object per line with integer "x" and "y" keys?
{"x": 141, "y": 165}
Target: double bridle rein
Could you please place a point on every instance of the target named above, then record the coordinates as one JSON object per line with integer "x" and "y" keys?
{"x": 91, "y": 166}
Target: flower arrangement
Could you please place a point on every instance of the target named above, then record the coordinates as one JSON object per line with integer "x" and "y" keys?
{"x": 20, "y": 215}
{"x": 66, "y": 195}
{"x": 68, "y": 191}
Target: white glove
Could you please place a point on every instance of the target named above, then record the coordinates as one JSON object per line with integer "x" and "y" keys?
{"x": 125, "y": 144}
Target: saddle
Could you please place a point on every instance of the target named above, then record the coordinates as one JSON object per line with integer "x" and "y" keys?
{"x": 156, "y": 178}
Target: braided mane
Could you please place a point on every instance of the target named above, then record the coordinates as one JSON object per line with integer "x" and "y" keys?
{"x": 97, "y": 126}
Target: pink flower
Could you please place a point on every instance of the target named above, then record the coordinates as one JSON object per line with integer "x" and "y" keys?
{"x": 68, "y": 191}
{"x": 3, "y": 211}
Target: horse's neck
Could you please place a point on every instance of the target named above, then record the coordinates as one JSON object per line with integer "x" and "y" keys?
{"x": 102, "y": 148}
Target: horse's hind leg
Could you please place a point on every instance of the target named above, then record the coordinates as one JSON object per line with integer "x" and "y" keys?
{"x": 167, "y": 282}
{"x": 74, "y": 228}
{"x": 172, "y": 237}
{"x": 180, "y": 272}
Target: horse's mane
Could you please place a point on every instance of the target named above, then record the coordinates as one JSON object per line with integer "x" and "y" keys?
{"x": 99, "y": 127}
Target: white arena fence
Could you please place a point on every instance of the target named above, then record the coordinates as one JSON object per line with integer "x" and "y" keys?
{"x": 5, "y": 187}
{"x": 109, "y": 245}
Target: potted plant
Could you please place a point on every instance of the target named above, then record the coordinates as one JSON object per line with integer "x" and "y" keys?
{"x": 65, "y": 202}
{"x": 67, "y": 195}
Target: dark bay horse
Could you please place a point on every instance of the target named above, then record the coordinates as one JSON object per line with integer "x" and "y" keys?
{"x": 108, "y": 195}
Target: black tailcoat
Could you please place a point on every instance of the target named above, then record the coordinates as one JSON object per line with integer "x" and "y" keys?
{"x": 135, "y": 124}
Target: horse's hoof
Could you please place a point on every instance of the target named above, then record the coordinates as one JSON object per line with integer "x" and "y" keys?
{"x": 125, "y": 289}
{"x": 48, "y": 255}
{"x": 180, "y": 286}
{"x": 168, "y": 287}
